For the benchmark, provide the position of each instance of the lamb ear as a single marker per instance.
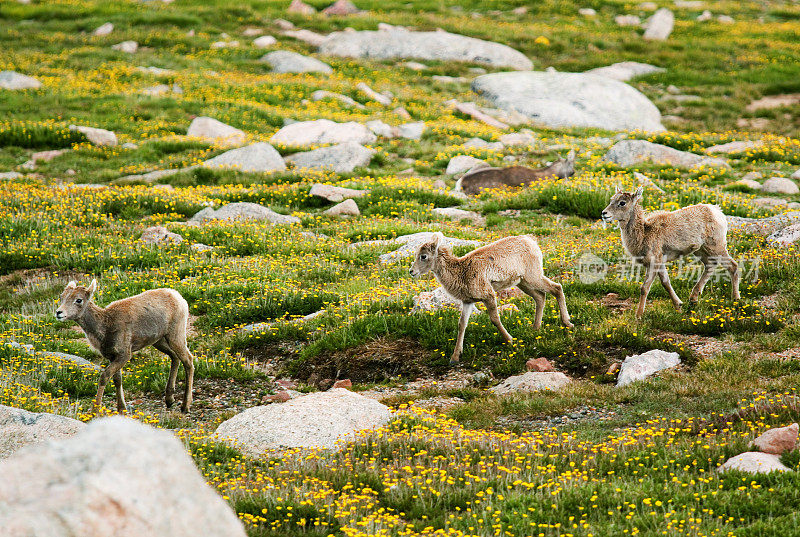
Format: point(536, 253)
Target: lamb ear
point(92, 287)
point(617, 189)
point(72, 284)
point(638, 193)
point(571, 156)
point(437, 240)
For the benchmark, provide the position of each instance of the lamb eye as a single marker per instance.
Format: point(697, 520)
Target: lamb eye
point(622, 204)
point(423, 257)
point(78, 300)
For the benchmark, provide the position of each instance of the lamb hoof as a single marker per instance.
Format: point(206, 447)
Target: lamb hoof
point(184, 410)
point(454, 361)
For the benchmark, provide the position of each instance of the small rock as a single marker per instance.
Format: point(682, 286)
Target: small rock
point(343, 383)
point(464, 163)
point(100, 137)
point(768, 202)
point(613, 368)
point(641, 366)
point(130, 145)
point(211, 129)
point(265, 41)
point(625, 71)
point(780, 185)
point(335, 193)
point(127, 46)
point(786, 236)
point(200, 247)
point(381, 129)
point(480, 143)
point(411, 243)
point(402, 112)
point(324, 94)
point(341, 158)
point(752, 176)
point(374, 95)
point(704, 16)
point(224, 44)
point(346, 208)
point(777, 441)
point(341, 7)
point(243, 211)
point(414, 66)
point(258, 157)
point(725, 19)
point(104, 29)
point(301, 8)
point(796, 175)
point(10, 175)
point(531, 382)
point(285, 61)
point(633, 152)
point(279, 397)
point(587, 12)
point(252, 32)
point(753, 462)
point(523, 137)
point(539, 365)
point(323, 131)
point(283, 24)
point(307, 36)
point(160, 235)
point(411, 131)
point(749, 183)
point(659, 26)
point(627, 20)
point(454, 213)
point(773, 101)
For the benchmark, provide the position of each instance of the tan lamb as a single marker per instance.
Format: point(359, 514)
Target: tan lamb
point(657, 238)
point(158, 317)
point(477, 276)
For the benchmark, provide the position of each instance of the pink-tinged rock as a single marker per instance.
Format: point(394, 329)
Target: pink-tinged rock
point(300, 7)
point(279, 397)
point(777, 441)
point(343, 383)
point(341, 7)
point(753, 462)
point(286, 383)
point(539, 364)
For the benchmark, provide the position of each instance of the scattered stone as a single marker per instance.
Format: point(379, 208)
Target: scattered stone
point(480, 143)
point(415, 66)
point(157, 71)
point(473, 111)
point(279, 397)
point(774, 101)
point(252, 32)
point(627, 20)
point(316, 420)
point(211, 129)
point(149, 177)
point(47, 156)
point(285, 61)
point(725, 19)
point(613, 369)
point(160, 235)
point(129, 47)
point(752, 176)
point(705, 16)
point(265, 41)
point(301, 8)
point(346, 208)
point(689, 4)
point(382, 129)
point(660, 25)
point(780, 185)
point(777, 441)
point(796, 175)
point(570, 100)
point(283, 24)
point(411, 131)
point(19, 428)
point(307, 36)
point(624, 71)
point(10, 175)
point(114, 477)
point(224, 44)
point(464, 163)
point(749, 183)
point(524, 138)
point(440, 45)
point(71, 358)
point(335, 194)
point(539, 365)
point(587, 12)
point(402, 112)
point(735, 147)
point(768, 202)
point(320, 95)
point(200, 247)
point(341, 158)
point(242, 211)
point(435, 300)
point(522, 10)
point(162, 89)
point(454, 213)
point(96, 136)
point(374, 95)
point(647, 182)
point(628, 153)
point(641, 366)
point(531, 382)
point(762, 226)
point(411, 243)
point(753, 462)
point(648, 6)
point(323, 131)
point(785, 236)
point(449, 79)
point(343, 383)
point(103, 29)
point(341, 7)
point(258, 157)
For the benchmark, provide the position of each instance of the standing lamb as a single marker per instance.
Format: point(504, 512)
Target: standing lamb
point(158, 317)
point(476, 277)
point(655, 239)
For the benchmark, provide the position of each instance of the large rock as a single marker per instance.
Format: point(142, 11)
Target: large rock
point(780, 185)
point(785, 236)
point(12, 80)
point(735, 147)
point(411, 131)
point(129, 47)
point(624, 71)
point(217, 131)
point(160, 235)
point(258, 157)
point(341, 158)
point(411, 243)
point(116, 477)
point(454, 213)
point(265, 41)
point(659, 26)
point(777, 441)
point(323, 131)
point(763, 226)
point(634, 152)
point(570, 100)
point(243, 211)
point(335, 193)
point(103, 29)
point(62, 357)
point(316, 420)
point(442, 46)
point(307, 36)
point(641, 366)
point(796, 175)
point(96, 136)
point(435, 300)
point(286, 61)
point(753, 462)
point(19, 428)
point(532, 381)
point(464, 163)
point(346, 208)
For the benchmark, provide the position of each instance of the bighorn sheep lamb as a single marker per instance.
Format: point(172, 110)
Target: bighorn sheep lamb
point(474, 181)
point(158, 317)
point(659, 237)
point(476, 277)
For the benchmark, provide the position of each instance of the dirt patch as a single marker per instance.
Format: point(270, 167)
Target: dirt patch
point(376, 361)
point(703, 346)
point(612, 301)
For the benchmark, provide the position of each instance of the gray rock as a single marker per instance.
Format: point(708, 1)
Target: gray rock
point(786, 236)
point(71, 358)
point(436, 300)
point(411, 131)
point(659, 26)
point(323, 131)
point(285, 61)
point(641, 366)
point(224, 44)
point(12, 80)
point(104, 29)
point(734, 147)
point(265, 41)
point(96, 136)
point(243, 211)
point(10, 175)
point(796, 175)
point(19, 428)
point(317, 420)
point(415, 66)
point(768, 202)
point(298, 6)
point(161, 89)
point(752, 176)
point(380, 98)
point(523, 137)
point(258, 157)
point(160, 235)
point(762, 226)
point(382, 129)
point(114, 477)
point(157, 71)
point(627, 20)
point(320, 95)
point(464, 163)
point(454, 213)
point(210, 129)
point(532, 381)
point(753, 462)
point(127, 46)
point(307, 36)
point(346, 208)
point(335, 193)
point(341, 158)
point(480, 143)
point(150, 177)
point(411, 243)
point(384, 45)
point(624, 71)
point(780, 185)
point(570, 100)
point(200, 247)
point(634, 152)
